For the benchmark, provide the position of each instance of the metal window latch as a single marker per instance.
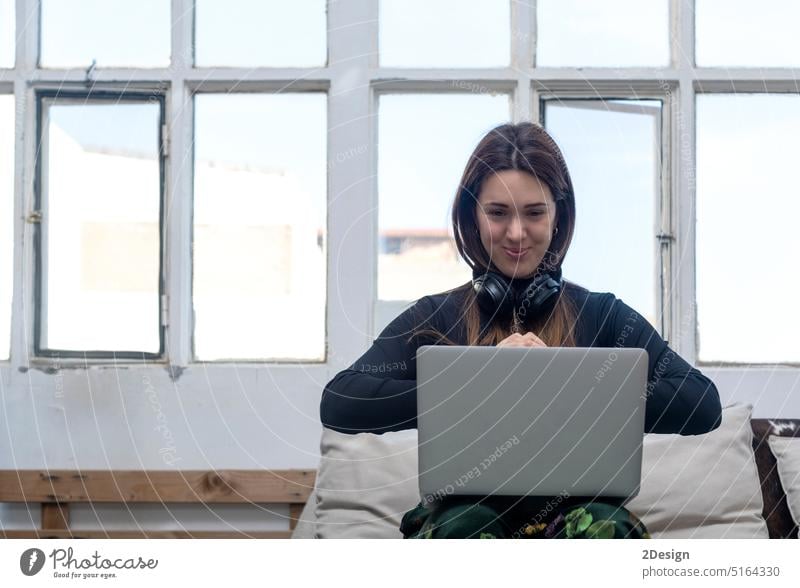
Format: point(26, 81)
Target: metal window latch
point(164, 309)
point(165, 140)
point(35, 216)
point(89, 72)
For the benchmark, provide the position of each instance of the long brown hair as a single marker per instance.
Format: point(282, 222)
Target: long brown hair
point(526, 147)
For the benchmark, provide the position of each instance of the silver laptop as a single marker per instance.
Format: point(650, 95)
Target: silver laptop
point(530, 421)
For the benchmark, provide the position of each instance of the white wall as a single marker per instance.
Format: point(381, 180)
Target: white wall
point(209, 418)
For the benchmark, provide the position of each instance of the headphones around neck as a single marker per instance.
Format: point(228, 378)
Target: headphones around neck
point(498, 296)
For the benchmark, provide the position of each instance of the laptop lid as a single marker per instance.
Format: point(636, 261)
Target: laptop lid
point(538, 421)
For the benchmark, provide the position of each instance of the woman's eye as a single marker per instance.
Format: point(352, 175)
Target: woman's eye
point(501, 213)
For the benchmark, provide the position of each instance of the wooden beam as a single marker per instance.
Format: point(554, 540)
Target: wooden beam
point(55, 515)
point(223, 486)
point(295, 510)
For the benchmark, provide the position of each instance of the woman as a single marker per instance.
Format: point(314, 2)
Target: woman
point(513, 219)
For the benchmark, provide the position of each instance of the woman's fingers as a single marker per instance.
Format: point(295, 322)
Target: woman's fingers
point(528, 339)
point(536, 340)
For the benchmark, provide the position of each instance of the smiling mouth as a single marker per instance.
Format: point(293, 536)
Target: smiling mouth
point(515, 252)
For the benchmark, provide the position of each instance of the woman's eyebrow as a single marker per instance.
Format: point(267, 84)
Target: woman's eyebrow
point(502, 205)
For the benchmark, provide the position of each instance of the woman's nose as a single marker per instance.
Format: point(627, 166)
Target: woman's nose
point(515, 229)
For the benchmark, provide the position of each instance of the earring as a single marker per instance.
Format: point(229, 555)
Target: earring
point(555, 232)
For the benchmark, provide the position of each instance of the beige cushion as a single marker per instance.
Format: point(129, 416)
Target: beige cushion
point(695, 486)
point(365, 484)
point(787, 451)
point(703, 486)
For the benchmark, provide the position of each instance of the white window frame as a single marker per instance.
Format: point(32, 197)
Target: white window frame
point(664, 237)
point(46, 99)
point(353, 79)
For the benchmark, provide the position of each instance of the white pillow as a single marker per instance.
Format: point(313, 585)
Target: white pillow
point(365, 484)
point(695, 486)
point(787, 452)
point(702, 486)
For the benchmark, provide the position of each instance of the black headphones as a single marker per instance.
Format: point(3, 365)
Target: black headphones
point(498, 296)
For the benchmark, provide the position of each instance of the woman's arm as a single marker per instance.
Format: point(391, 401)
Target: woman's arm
point(378, 392)
point(680, 399)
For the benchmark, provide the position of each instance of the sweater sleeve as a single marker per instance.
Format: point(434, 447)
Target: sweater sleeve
point(378, 392)
point(680, 399)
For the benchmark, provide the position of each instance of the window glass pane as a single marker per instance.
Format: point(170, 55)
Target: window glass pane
point(6, 219)
point(259, 226)
point(613, 154)
point(445, 33)
point(101, 187)
point(748, 245)
point(117, 33)
point(602, 34)
point(740, 33)
point(424, 144)
point(6, 33)
point(252, 33)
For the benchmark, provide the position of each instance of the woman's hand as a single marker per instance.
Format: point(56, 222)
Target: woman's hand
point(522, 340)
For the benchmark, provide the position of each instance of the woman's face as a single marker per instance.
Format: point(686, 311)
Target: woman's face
point(516, 217)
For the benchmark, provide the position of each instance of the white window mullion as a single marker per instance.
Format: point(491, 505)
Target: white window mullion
point(523, 30)
point(22, 306)
point(27, 34)
point(683, 295)
point(177, 215)
point(352, 197)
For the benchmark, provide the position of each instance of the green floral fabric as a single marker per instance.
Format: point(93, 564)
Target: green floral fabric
point(484, 519)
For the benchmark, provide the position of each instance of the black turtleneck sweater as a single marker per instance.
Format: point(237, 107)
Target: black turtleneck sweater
point(377, 393)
